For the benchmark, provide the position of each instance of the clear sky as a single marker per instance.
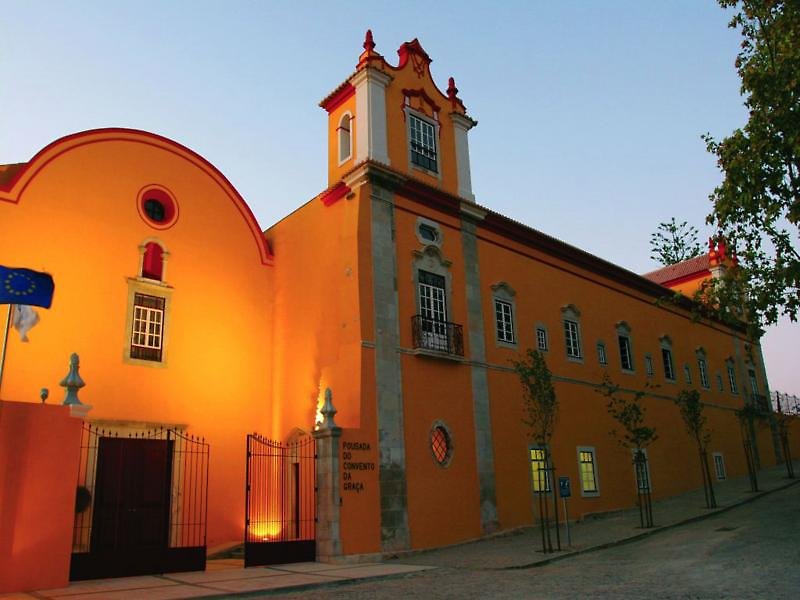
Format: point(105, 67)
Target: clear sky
point(590, 113)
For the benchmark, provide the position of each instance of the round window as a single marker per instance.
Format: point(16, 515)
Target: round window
point(157, 207)
point(155, 210)
point(441, 445)
point(428, 233)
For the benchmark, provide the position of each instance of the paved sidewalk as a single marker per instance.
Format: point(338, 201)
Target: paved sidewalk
point(222, 579)
point(522, 548)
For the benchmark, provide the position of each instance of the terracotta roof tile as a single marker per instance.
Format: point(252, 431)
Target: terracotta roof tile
point(698, 264)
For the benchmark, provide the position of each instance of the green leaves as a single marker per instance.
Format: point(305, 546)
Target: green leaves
point(757, 206)
point(674, 242)
point(688, 401)
point(629, 413)
point(540, 409)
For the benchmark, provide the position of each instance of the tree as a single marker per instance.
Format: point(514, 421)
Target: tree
point(636, 436)
point(757, 205)
point(674, 242)
point(688, 401)
point(540, 413)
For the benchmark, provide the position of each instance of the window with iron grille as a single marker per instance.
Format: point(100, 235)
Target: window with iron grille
point(719, 466)
point(504, 318)
point(588, 472)
point(572, 338)
point(540, 476)
point(625, 358)
point(541, 338)
point(732, 379)
point(601, 353)
point(441, 445)
point(148, 327)
point(433, 309)
point(648, 364)
point(423, 143)
point(702, 368)
point(666, 359)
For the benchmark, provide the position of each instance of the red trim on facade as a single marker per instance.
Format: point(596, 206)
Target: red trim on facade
point(163, 194)
point(419, 58)
point(339, 96)
point(334, 194)
point(8, 192)
point(422, 94)
point(705, 274)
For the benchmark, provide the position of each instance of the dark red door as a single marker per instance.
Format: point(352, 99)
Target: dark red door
point(132, 494)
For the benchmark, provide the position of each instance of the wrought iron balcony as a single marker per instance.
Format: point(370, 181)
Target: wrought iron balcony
point(440, 336)
point(761, 402)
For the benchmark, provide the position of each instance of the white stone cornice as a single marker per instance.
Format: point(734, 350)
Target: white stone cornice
point(473, 211)
point(462, 121)
point(372, 74)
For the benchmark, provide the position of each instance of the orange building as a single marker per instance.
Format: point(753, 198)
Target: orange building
point(394, 289)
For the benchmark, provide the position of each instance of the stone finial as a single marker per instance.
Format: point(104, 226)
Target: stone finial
point(452, 90)
point(369, 44)
point(328, 411)
point(44, 393)
point(72, 382)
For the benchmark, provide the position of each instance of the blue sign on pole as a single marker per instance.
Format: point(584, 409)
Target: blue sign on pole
point(563, 487)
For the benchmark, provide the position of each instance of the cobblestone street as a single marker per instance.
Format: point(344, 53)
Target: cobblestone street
point(751, 551)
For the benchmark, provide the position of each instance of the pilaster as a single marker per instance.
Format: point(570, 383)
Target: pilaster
point(461, 126)
point(328, 538)
point(371, 137)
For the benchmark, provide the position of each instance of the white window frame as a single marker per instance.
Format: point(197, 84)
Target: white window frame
point(624, 341)
point(588, 450)
point(504, 321)
point(541, 338)
point(702, 368)
point(411, 116)
point(751, 375)
point(505, 330)
point(732, 377)
point(147, 328)
point(720, 471)
point(667, 365)
point(339, 137)
point(648, 365)
point(602, 356)
point(570, 316)
point(531, 472)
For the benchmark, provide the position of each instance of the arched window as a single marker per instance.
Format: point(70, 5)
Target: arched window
point(345, 138)
point(153, 261)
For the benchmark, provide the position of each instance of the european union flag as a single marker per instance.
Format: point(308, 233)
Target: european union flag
point(23, 286)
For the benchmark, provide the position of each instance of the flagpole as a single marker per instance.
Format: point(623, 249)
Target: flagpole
point(5, 345)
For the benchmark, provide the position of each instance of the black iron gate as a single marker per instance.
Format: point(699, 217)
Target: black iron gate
point(141, 503)
point(280, 501)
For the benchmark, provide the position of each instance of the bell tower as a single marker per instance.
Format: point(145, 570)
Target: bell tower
point(396, 117)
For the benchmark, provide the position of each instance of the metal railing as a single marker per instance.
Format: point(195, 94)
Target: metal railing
point(441, 336)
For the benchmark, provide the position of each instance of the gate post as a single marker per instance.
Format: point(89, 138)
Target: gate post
point(329, 545)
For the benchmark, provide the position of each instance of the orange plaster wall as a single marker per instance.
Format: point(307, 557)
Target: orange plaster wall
point(39, 446)
point(397, 133)
point(77, 218)
point(316, 322)
point(543, 285)
point(336, 170)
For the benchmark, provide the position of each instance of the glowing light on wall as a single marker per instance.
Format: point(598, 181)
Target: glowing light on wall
point(266, 531)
